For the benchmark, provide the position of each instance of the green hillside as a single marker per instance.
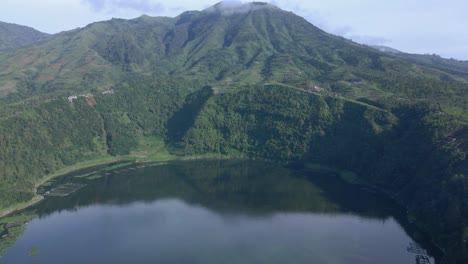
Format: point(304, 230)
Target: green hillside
point(251, 81)
point(14, 36)
point(227, 50)
point(453, 66)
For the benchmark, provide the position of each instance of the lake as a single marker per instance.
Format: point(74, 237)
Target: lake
point(210, 212)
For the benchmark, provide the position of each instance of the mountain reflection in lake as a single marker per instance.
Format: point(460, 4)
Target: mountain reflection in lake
point(212, 212)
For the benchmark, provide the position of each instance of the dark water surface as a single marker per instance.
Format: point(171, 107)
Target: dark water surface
point(210, 212)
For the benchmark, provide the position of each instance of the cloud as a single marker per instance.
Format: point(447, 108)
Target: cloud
point(230, 4)
point(369, 40)
point(110, 6)
point(342, 31)
point(348, 32)
point(231, 7)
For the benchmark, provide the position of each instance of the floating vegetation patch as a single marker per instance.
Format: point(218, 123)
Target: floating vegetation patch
point(45, 187)
point(85, 175)
point(65, 189)
point(3, 234)
point(94, 177)
point(89, 176)
point(48, 183)
point(129, 169)
point(11, 227)
point(33, 251)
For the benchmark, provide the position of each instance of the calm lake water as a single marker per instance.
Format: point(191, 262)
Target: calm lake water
point(210, 212)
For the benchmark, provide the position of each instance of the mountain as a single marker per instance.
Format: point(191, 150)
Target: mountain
point(431, 60)
point(247, 80)
point(254, 44)
point(14, 36)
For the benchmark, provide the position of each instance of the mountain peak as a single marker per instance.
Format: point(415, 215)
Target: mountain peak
point(231, 7)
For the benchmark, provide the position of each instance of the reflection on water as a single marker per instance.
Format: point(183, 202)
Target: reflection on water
point(211, 212)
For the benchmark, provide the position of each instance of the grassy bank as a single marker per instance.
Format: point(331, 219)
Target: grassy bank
point(19, 206)
point(150, 149)
point(82, 165)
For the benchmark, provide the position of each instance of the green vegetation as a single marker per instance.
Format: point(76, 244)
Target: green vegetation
point(14, 36)
point(33, 251)
point(453, 66)
point(12, 227)
point(260, 84)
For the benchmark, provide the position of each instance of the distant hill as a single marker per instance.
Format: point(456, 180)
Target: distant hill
point(431, 60)
point(14, 36)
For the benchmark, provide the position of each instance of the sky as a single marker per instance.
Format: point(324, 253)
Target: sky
point(414, 26)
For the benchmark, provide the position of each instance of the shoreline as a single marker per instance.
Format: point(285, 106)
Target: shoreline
point(18, 207)
point(4, 212)
point(347, 176)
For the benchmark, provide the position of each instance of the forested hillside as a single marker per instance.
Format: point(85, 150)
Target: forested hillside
point(253, 81)
point(14, 36)
point(433, 60)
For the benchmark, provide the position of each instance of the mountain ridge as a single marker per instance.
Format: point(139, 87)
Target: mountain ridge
point(431, 60)
point(245, 45)
point(13, 36)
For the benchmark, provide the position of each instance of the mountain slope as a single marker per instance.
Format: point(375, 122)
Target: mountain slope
point(251, 80)
point(14, 36)
point(450, 65)
point(254, 44)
